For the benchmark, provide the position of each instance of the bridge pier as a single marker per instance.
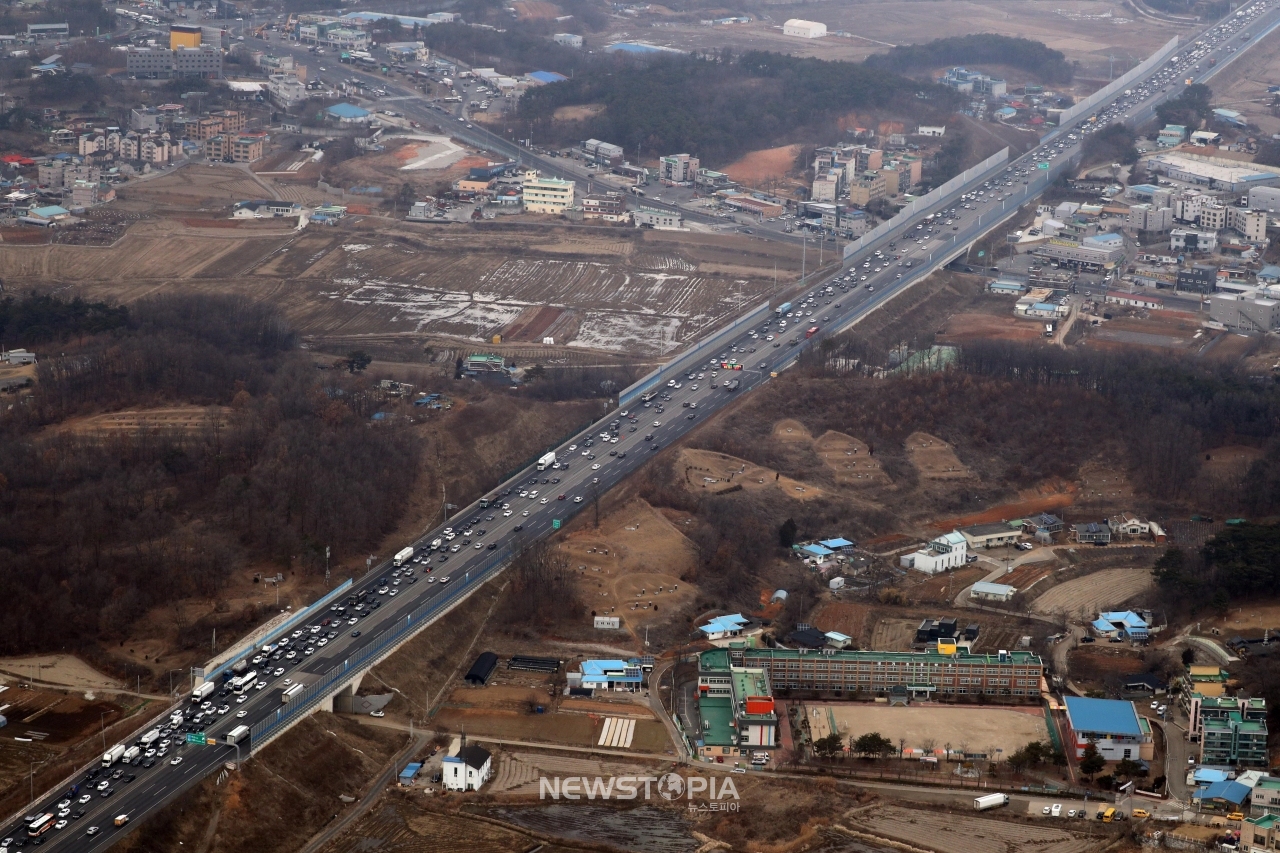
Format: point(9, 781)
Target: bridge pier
point(340, 700)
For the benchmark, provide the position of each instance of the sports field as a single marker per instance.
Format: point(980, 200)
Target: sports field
point(990, 731)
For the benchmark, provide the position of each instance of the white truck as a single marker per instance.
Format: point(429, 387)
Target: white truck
point(131, 753)
point(204, 691)
point(237, 734)
point(112, 755)
point(149, 738)
point(290, 693)
point(403, 556)
point(990, 801)
point(546, 461)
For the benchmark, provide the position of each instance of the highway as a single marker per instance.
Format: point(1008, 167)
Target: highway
point(692, 389)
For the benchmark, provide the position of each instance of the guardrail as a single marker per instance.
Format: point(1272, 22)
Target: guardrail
point(307, 699)
point(300, 616)
point(935, 199)
point(694, 353)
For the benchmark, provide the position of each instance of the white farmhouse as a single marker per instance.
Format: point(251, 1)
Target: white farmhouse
point(467, 770)
point(946, 552)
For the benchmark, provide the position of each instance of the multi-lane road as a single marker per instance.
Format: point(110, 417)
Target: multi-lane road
point(692, 390)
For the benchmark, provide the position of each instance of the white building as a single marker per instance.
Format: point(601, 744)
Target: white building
point(467, 770)
point(567, 39)
point(991, 591)
point(929, 130)
point(286, 90)
point(804, 29)
point(659, 220)
point(547, 195)
point(946, 552)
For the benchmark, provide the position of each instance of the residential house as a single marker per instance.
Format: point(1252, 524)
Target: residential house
point(616, 675)
point(468, 770)
point(610, 207)
point(1091, 533)
point(993, 535)
point(1122, 625)
point(948, 551)
point(1224, 797)
point(985, 591)
point(1265, 797)
point(724, 627)
point(1128, 525)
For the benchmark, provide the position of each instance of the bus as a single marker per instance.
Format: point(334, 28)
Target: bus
point(40, 825)
point(244, 682)
point(648, 396)
point(1109, 815)
point(811, 332)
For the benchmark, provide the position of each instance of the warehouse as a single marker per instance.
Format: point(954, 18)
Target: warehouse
point(1111, 725)
point(991, 535)
point(804, 29)
point(992, 591)
point(1213, 173)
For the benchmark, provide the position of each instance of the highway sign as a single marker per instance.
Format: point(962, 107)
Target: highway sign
point(1042, 165)
point(196, 737)
point(982, 254)
point(555, 524)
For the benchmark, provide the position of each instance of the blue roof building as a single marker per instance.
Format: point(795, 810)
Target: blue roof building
point(1270, 274)
point(1113, 726)
point(1226, 795)
point(639, 47)
point(724, 626)
point(410, 772)
point(546, 77)
point(837, 544)
point(816, 550)
point(611, 675)
point(348, 113)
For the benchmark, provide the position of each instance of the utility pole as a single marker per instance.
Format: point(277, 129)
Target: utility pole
point(326, 565)
point(103, 720)
point(213, 647)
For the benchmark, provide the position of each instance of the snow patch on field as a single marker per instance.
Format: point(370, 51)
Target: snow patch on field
point(452, 311)
point(611, 331)
point(356, 247)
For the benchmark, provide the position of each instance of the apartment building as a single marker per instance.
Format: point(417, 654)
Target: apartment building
point(1231, 730)
point(867, 188)
point(945, 671)
point(678, 169)
point(826, 186)
point(610, 207)
point(1265, 797)
point(547, 195)
point(236, 149)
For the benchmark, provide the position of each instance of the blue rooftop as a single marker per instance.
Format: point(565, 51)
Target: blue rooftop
point(1102, 716)
point(1209, 775)
point(1128, 617)
point(411, 770)
point(817, 550)
point(1270, 271)
point(347, 111)
point(1228, 789)
point(546, 76)
point(724, 624)
point(838, 542)
point(50, 210)
point(639, 47)
point(1102, 625)
point(601, 667)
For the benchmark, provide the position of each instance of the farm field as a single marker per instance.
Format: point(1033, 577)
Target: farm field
point(181, 418)
point(955, 833)
point(973, 729)
point(934, 458)
point(1106, 589)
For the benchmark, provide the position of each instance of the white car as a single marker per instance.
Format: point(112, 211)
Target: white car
point(506, 514)
point(241, 699)
point(260, 685)
point(525, 513)
point(86, 798)
point(595, 467)
point(544, 500)
point(1057, 810)
point(240, 715)
point(175, 761)
point(657, 423)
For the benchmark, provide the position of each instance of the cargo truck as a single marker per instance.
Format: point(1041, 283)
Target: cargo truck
point(990, 801)
point(404, 555)
point(782, 309)
point(545, 462)
point(121, 819)
point(732, 385)
point(290, 693)
point(240, 666)
point(149, 738)
point(112, 755)
point(131, 753)
point(204, 691)
point(239, 733)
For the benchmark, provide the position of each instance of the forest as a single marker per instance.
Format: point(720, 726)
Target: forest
point(720, 107)
point(1048, 65)
point(96, 528)
point(514, 50)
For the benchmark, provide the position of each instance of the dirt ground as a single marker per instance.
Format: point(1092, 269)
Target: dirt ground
point(894, 635)
point(1249, 620)
point(944, 832)
point(944, 588)
point(972, 729)
point(850, 461)
point(934, 458)
point(847, 617)
point(762, 167)
point(1030, 505)
point(196, 186)
point(61, 670)
point(717, 472)
point(1108, 589)
point(183, 418)
point(988, 327)
point(632, 567)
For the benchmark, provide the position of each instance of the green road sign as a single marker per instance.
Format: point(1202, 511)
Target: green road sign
point(196, 737)
point(555, 524)
point(1042, 165)
point(982, 254)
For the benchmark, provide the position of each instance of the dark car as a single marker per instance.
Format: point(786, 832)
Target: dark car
point(518, 528)
point(355, 633)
